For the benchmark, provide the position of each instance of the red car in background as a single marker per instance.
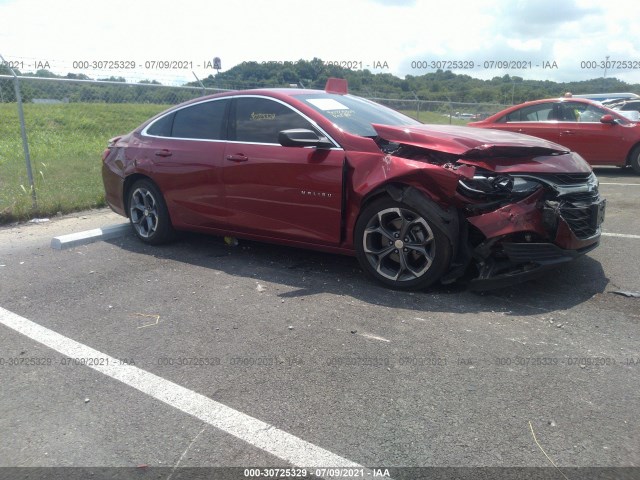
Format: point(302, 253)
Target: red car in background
point(330, 171)
point(600, 135)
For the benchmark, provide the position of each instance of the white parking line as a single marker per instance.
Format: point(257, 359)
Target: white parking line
point(266, 437)
point(621, 235)
point(624, 184)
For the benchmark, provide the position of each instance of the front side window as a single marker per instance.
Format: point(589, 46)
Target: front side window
point(203, 121)
point(260, 120)
point(581, 112)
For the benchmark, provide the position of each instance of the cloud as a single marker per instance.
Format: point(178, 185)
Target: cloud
point(393, 31)
point(396, 3)
point(544, 17)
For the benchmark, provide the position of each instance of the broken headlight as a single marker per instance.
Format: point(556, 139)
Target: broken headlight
point(496, 186)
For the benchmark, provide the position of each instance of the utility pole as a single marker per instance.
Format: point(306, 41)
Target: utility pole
point(604, 78)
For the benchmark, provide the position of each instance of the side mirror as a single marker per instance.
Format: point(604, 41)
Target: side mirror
point(608, 118)
point(301, 137)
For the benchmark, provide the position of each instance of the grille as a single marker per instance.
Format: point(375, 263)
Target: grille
point(581, 197)
point(534, 252)
point(568, 178)
point(580, 211)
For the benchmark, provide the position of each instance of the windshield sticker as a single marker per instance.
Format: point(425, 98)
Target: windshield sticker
point(262, 116)
point(340, 113)
point(327, 104)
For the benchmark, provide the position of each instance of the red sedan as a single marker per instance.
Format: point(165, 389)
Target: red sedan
point(330, 171)
point(600, 135)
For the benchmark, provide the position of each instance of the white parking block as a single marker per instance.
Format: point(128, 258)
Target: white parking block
point(89, 236)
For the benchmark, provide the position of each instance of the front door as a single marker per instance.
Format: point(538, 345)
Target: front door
point(292, 193)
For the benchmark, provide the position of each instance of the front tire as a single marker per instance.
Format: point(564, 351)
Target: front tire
point(634, 160)
point(148, 213)
point(401, 246)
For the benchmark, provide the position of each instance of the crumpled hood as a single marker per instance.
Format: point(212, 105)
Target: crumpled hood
point(468, 142)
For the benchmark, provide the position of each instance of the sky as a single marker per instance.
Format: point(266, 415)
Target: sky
point(559, 40)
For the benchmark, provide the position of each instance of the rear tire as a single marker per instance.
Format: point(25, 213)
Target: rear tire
point(148, 213)
point(634, 160)
point(401, 246)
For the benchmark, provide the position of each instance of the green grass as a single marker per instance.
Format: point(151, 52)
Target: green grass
point(66, 142)
point(434, 117)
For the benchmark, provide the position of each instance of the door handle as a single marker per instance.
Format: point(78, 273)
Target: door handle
point(521, 130)
point(163, 153)
point(237, 158)
point(567, 132)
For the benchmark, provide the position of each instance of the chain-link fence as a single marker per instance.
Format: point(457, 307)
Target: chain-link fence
point(51, 140)
point(439, 111)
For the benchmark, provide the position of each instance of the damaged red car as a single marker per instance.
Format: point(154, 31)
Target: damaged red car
point(329, 171)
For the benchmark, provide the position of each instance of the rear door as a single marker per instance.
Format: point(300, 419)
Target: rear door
point(291, 193)
point(186, 149)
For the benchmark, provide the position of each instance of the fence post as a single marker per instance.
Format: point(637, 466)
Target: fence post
point(23, 132)
point(417, 105)
point(204, 91)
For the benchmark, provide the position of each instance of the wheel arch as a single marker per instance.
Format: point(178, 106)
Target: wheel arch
point(129, 181)
point(446, 219)
point(634, 148)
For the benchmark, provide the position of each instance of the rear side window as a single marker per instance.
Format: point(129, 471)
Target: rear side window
point(203, 121)
point(259, 120)
point(532, 113)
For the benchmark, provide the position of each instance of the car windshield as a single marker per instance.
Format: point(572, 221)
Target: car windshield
point(354, 114)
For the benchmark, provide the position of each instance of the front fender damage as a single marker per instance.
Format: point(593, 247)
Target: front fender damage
point(445, 220)
point(425, 186)
point(506, 237)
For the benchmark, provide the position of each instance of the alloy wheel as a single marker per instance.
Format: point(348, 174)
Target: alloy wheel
point(399, 244)
point(144, 212)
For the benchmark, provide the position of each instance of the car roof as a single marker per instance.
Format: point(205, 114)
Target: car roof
point(546, 100)
point(560, 99)
point(513, 108)
point(271, 92)
point(278, 93)
point(608, 96)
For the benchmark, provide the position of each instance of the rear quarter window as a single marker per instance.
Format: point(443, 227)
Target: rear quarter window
point(202, 121)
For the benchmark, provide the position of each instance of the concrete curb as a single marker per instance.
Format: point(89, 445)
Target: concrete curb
point(89, 236)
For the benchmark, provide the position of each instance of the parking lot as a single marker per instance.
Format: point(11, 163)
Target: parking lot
point(266, 356)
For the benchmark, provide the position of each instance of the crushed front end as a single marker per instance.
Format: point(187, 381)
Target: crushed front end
point(524, 204)
point(520, 224)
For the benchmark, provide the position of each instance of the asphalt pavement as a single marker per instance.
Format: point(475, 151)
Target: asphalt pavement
point(268, 356)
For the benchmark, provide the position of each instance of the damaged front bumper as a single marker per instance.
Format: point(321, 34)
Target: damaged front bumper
point(524, 261)
point(526, 238)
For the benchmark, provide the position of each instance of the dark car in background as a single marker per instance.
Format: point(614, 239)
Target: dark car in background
point(626, 105)
point(330, 171)
point(600, 135)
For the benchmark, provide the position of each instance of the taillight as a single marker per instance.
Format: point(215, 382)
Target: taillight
point(110, 145)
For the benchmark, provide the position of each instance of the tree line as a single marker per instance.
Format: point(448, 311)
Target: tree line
point(440, 85)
